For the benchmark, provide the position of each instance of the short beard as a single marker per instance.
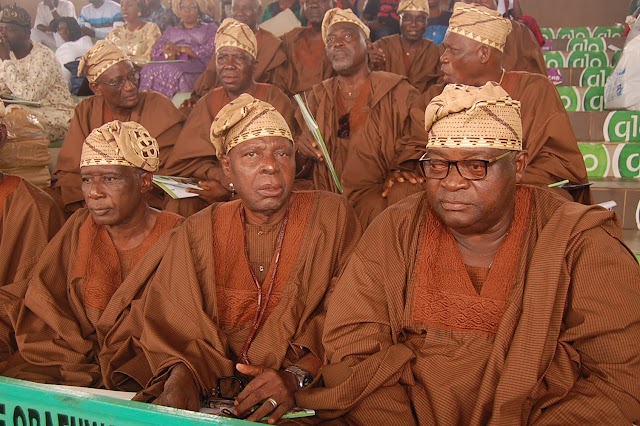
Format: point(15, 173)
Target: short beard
point(343, 64)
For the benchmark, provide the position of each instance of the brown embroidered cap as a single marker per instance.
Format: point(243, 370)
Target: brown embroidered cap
point(234, 33)
point(478, 23)
point(337, 15)
point(102, 56)
point(16, 15)
point(413, 6)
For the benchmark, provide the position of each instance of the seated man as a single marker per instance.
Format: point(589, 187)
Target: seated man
point(307, 64)
point(361, 115)
point(242, 287)
point(269, 55)
point(548, 135)
point(482, 301)
point(114, 80)
point(29, 219)
point(30, 71)
point(78, 291)
point(193, 154)
point(408, 53)
point(99, 17)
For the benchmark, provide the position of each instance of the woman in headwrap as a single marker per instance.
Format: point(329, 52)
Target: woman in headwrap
point(190, 44)
point(136, 38)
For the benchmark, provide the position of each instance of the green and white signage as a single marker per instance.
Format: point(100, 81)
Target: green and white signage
point(581, 59)
point(570, 97)
point(554, 59)
point(622, 126)
point(592, 44)
point(573, 32)
point(593, 99)
point(595, 76)
point(607, 31)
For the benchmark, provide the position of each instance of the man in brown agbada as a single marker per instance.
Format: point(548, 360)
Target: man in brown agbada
point(473, 55)
point(114, 80)
point(79, 292)
point(483, 301)
point(408, 53)
point(361, 114)
point(243, 286)
point(193, 155)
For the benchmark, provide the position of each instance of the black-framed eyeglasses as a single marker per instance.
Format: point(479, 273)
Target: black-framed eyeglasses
point(468, 169)
point(343, 126)
point(133, 77)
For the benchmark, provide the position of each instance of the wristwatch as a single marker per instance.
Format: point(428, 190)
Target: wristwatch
point(303, 377)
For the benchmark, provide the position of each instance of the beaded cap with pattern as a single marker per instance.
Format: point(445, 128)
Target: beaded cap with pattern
point(234, 33)
point(474, 117)
point(121, 144)
point(413, 6)
point(15, 15)
point(243, 119)
point(478, 23)
point(102, 56)
point(337, 15)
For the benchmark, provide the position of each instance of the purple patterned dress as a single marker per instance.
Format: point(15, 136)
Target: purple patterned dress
point(171, 78)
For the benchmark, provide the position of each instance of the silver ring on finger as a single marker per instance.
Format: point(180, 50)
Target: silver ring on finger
point(273, 402)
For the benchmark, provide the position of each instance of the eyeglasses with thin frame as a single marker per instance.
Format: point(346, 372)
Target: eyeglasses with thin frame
point(118, 83)
point(468, 169)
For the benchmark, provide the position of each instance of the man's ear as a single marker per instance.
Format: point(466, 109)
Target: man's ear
point(484, 53)
point(146, 182)
point(226, 165)
point(95, 88)
point(521, 160)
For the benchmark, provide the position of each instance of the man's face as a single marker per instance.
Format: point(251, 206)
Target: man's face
point(413, 25)
point(234, 66)
point(118, 85)
point(460, 61)
point(15, 35)
point(246, 11)
point(114, 194)
point(262, 171)
point(314, 10)
point(475, 206)
point(489, 4)
point(346, 46)
point(63, 30)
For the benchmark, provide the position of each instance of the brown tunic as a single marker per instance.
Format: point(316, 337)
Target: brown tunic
point(563, 351)
point(306, 65)
point(522, 51)
point(201, 300)
point(154, 111)
point(548, 136)
point(75, 297)
point(363, 161)
point(30, 218)
point(425, 65)
point(270, 56)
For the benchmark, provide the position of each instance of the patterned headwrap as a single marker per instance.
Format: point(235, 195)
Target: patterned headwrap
point(121, 144)
point(413, 6)
point(205, 6)
point(232, 33)
point(474, 117)
point(100, 58)
point(478, 23)
point(16, 15)
point(243, 119)
point(337, 15)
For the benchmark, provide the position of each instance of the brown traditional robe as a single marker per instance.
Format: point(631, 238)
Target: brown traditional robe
point(363, 161)
point(547, 133)
point(522, 51)
point(201, 300)
point(155, 112)
point(76, 295)
point(424, 69)
point(408, 341)
point(270, 56)
point(30, 218)
point(306, 65)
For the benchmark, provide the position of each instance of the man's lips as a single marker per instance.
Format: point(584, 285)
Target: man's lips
point(453, 205)
point(270, 189)
point(99, 211)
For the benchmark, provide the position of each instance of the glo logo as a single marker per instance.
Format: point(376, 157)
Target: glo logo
point(626, 161)
point(607, 32)
point(593, 99)
point(622, 126)
point(554, 59)
point(570, 97)
point(587, 59)
point(595, 76)
point(575, 32)
point(596, 159)
point(587, 45)
point(547, 33)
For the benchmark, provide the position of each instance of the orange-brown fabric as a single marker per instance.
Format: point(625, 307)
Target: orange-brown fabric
point(270, 57)
point(564, 352)
point(59, 336)
point(547, 133)
point(30, 218)
point(153, 111)
point(182, 314)
point(522, 51)
point(364, 161)
point(425, 65)
point(307, 63)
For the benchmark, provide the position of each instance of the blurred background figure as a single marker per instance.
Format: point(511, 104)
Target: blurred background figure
point(136, 37)
point(48, 11)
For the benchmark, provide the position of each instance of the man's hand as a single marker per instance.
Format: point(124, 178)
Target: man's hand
point(4, 48)
point(180, 390)
point(377, 59)
point(268, 384)
point(308, 147)
point(401, 176)
point(44, 28)
point(187, 105)
point(212, 191)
